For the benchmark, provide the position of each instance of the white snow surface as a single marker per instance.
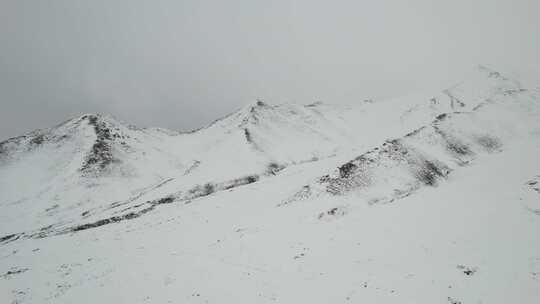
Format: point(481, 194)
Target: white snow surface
point(433, 198)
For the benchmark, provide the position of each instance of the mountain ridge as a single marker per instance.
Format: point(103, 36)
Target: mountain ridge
point(259, 141)
point(436, 193)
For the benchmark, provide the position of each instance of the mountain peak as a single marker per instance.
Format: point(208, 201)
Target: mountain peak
point(95, 118)
point(254, 106)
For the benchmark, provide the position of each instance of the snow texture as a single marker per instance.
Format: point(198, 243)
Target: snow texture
point(433, 198)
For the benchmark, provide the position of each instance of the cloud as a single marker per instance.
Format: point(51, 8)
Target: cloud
point(181, 64)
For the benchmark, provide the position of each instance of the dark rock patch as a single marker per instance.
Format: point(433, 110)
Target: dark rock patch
point(274, 168)
point(148, 206)
point(196, 192)
point(100, 155)
point(454, 145)
point(468, 271)
point(333, 213)
point(410, 161)
point(534, 184)
point(10, 238)
point(247, 135)
point(441, 117)
point(413, 133)
point(453, 100)
point(110, 220)
point(490, 143)
point(14, 271)
point(347, 169)
point(38, 140)
point(453, 301)
point(429, 172)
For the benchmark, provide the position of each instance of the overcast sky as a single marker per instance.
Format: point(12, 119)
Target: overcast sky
point(180, 64)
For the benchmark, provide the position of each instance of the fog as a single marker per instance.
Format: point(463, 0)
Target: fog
point(181, 64)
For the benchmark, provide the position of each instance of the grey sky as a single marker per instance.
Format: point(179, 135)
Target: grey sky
point(180, 64)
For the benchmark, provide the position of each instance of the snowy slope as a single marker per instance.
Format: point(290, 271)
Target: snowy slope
point(424, 199)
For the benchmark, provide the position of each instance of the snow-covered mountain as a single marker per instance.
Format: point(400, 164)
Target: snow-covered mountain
point(423, 199)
